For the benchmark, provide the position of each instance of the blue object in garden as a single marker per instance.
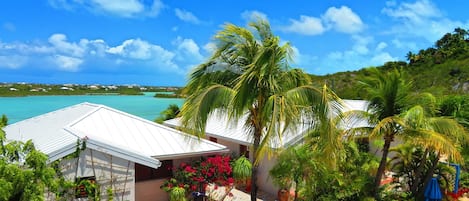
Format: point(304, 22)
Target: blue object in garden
point(432, 191)
point(198, 194)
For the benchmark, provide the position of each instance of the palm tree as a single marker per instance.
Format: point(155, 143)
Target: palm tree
point(426, 139)
point(437, 136)
point(294, 166)
point(390, 103)
point(410, 57)
point(249, 76)
point(387, 93)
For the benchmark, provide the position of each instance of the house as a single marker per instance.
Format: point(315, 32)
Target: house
point(66, 88)
point(232, 134)
point(122, 152)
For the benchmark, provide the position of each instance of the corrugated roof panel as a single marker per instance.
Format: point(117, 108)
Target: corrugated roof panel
point(133, 133)
point(109, 130)
point(46, 131)
point(220, 127)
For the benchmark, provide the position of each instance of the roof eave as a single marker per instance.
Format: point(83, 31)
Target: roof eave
point(124, 154)
point(191, 154)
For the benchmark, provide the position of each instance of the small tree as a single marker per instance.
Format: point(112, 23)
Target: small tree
point(171, 112)
point(24, 174)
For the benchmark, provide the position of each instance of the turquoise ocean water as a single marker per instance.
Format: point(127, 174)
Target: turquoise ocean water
point(146, 106)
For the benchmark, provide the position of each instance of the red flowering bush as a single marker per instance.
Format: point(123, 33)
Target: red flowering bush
point(458, 194)
point(195, 176)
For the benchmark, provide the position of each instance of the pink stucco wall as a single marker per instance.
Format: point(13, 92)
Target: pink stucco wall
point(150, 191)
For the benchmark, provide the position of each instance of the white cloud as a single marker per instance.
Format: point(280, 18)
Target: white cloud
point(120, 8)
point(335, 55)
point(188, 49)
point(420, 19)
point(60, 43)
point(67, 63)
point(416, 12)
point(72, 56)
point(381, 58)
point(186, 16)
point(306, 25)
point(358, 56)
point(156, 8)
point(95, 47)
point(143, 51)
point(407, 45)
point(351, 60)
point(13, 61)
point(24, 49)
point(210, 47)
point(343, 19)
point(302, 59)
point(124, 8)
point(381, 46)
point(140, 49)
point(361, 44)
point(253, 15)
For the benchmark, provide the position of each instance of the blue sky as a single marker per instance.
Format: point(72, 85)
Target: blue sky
point(158, 42)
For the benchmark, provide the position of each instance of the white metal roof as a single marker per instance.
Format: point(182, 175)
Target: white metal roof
point(219, 126)
point(110, 131)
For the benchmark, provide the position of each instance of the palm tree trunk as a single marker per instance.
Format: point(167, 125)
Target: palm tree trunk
point(418, 172)
point(382, 165)
point(296, 188)
point(428, 176)
point(255, 166)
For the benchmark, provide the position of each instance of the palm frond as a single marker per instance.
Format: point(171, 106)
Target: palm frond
point(200, 105)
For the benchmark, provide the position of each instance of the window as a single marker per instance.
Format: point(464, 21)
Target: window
point(213, 139)
point(243, 151)
point(86, 187)
point(143, 173)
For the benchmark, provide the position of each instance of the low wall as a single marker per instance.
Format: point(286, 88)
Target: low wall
point(150, 191)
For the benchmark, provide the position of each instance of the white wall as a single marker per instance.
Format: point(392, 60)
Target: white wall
point(232, 146)
point(264, 181)
point(109, 171)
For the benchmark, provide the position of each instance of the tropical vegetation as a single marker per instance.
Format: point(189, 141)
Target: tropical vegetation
point(442, 69)
point(170, 112)
point(24, 174)
point(248, 78)
point(194, 177)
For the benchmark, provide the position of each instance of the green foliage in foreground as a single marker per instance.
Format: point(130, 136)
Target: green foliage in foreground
point(315, 181)
point(24, 174)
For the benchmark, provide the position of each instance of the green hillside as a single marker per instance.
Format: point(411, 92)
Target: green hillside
point(441, 70)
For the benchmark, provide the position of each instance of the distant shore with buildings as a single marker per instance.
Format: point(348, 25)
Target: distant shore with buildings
point(29, 89)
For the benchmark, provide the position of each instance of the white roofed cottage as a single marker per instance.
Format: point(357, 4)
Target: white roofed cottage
point(123, 152)
point(233, 135)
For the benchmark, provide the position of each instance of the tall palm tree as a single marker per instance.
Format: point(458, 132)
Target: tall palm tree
point(387, 94)
point(397, 114)
point(437, 136)
point(249, 76)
